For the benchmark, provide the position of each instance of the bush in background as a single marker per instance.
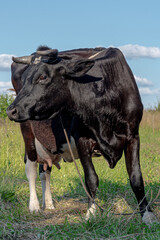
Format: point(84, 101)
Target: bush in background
point(5, 101)
point(157, 108)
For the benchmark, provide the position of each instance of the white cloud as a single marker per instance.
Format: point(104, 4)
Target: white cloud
point(148, 91)
point(5, 86)
point(136, 51)
point(143, 81)
point(5, 62)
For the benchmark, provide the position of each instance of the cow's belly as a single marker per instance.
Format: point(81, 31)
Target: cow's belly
point(66, 155)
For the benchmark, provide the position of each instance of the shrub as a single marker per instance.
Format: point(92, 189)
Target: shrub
point(157, 108)
point(5, 101)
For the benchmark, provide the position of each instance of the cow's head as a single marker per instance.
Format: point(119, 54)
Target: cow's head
point(19, 65)
point(45, 91)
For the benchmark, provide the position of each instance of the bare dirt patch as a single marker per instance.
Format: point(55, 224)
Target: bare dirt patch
point(72, 209)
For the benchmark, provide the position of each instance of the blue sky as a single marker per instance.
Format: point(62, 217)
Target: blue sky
point(132, 26)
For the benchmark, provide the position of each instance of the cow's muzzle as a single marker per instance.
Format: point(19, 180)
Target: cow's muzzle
point(12, 113)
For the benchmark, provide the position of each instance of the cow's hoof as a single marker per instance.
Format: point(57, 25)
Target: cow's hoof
point(149, 218)
point(48, 207)
point(34, 209)
point(91, 212)
point(34, 206)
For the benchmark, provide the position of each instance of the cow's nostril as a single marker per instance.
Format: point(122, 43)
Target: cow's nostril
point(12, 113)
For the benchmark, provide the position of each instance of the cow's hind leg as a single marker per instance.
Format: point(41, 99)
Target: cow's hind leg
point(136, 180)
point(91, 178)
point(31, 173)
point(46, 191)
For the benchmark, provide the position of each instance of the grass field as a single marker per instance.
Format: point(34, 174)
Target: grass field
point(67, 220)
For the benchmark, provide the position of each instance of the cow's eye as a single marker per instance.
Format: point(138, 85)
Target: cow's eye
point(42, 78)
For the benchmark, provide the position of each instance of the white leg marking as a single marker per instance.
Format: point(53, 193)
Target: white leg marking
point(46, 191)
point(91, 212)
point(149, 218)
point(31, 173)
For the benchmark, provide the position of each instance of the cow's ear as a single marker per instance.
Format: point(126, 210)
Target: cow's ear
point(80, 68)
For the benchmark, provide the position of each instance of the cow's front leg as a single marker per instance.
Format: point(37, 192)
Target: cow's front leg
point(136, 180)
point(31, 173)
point(91, 178)
point(46, 191)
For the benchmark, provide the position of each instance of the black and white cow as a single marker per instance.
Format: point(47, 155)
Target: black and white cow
point(45, 141)
point(102, 92)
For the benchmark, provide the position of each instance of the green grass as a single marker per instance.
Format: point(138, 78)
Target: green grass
point(67, 220)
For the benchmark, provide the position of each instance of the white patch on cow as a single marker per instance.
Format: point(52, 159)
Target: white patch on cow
point(149, 218)
point(31, 173)
point(46, 155)
point(91, 212)
point(46, 191)
point(95, 54)
point(42, 152)
point(66, 153)
point(37, 60)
